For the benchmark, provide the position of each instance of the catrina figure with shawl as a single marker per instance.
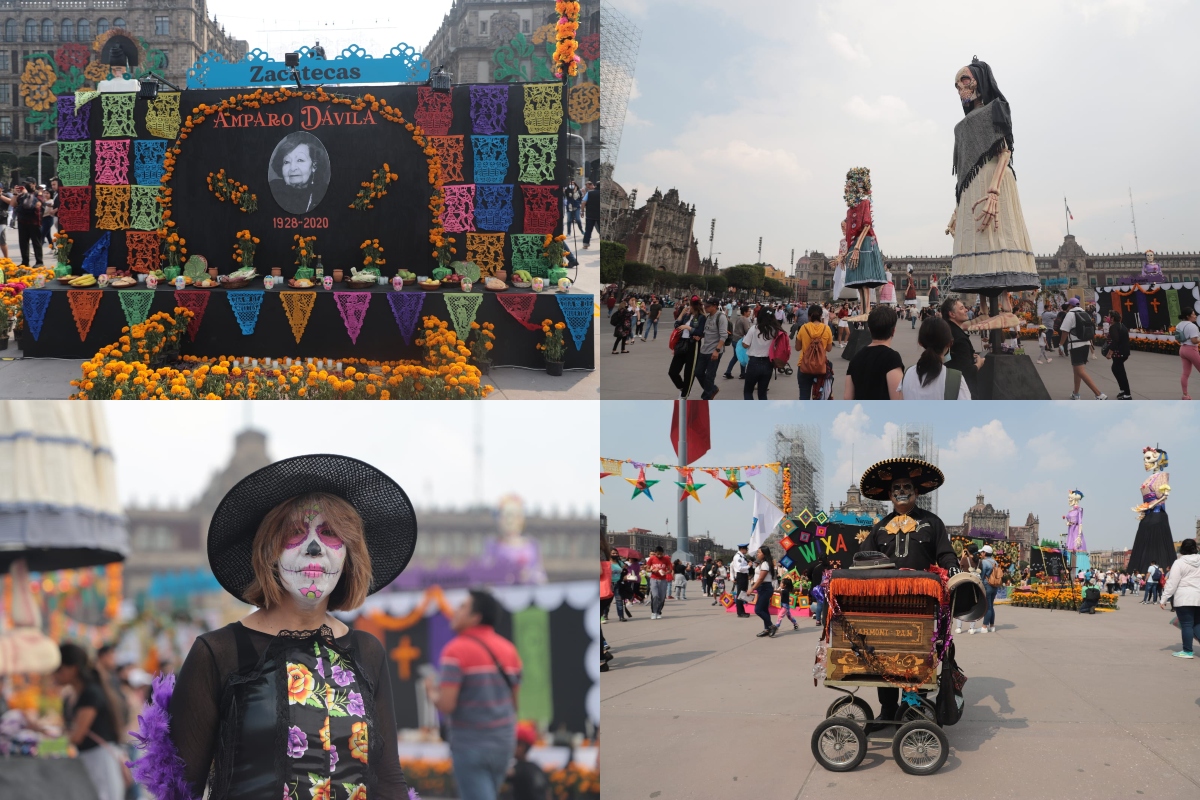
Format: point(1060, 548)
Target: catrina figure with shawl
point(289, 702)
point(992, 255)
point(864, 262)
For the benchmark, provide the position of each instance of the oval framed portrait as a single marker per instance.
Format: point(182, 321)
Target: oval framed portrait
point(299, 172)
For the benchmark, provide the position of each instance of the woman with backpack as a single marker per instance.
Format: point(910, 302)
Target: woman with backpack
point(931, 378)
point(1188, 334)
point(813, 340)
point(993, 577)
point(685, 344)
point(762, 344)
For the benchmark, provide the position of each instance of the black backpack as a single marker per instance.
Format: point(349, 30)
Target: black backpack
point(1085, 326)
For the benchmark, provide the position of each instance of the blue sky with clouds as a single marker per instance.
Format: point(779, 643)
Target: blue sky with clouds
point(756, 113)
point(1025, 457)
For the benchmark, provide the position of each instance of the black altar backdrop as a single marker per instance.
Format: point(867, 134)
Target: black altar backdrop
point(357, 143)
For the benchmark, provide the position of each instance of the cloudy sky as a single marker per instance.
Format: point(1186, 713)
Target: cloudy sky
point(755, 114)
point(427, 447)
point(1025, 457)
point(278, 26)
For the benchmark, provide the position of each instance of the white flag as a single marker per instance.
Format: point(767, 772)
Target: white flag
point(766, 517)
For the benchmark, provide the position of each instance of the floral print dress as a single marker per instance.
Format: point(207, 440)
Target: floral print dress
point(327, 729)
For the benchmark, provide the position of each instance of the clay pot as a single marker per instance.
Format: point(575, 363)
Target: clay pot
point(337, 276)
point(502, 274)
point(277, 271)
point(212, 273)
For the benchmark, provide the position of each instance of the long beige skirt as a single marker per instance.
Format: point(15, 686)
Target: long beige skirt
point(990, 261)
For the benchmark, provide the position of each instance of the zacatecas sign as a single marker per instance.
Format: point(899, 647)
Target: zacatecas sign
point(402, 64)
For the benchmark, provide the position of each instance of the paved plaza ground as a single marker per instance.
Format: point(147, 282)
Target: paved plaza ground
point(1057, 705)
point(50, 379)
point(641, 374)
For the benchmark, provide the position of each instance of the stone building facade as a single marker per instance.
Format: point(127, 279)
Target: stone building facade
point(859, 506)
point(1070, 269)
point(500, 41)
point(659, 233)
point(181, 29)
point(983, 521)
point(644, 541)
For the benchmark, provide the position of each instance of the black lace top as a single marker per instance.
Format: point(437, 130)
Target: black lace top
point(217, 700)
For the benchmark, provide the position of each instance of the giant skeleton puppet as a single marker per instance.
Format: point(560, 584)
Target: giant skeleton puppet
point(863, 261)
point(260, 710)
point(992, 255)
point(1153, 541)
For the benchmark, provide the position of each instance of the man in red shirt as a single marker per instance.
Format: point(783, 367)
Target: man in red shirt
point(662, 572)
point(477, 695)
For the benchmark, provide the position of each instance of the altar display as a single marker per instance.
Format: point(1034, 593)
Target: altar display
point(1151, 304)
point(1153, 542)
point(459, 188)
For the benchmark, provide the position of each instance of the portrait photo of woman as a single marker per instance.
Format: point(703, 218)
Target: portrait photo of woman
point(299, 172)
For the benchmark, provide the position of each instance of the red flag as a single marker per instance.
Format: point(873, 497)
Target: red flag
point(697, 429)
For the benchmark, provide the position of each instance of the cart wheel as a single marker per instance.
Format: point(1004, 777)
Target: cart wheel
point(839, 744)
point(853, 707)
point(920, 747)
point(917, 712)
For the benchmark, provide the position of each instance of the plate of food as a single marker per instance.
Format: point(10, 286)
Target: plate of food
point(207, 283)
point(494, 284)
point(430, 286)
point(123, 283)
point(300, 283)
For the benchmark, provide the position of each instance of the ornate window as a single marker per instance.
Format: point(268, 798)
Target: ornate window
point(101, 25)
point(66, 31)
point(84, 30)
point(162, 26)
point(47, 30)
point(118, 23)
point(10, 30)
point(31, 30)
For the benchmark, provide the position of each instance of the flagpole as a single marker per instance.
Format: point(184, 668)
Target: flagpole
point(1066, 215)
point(681, 540)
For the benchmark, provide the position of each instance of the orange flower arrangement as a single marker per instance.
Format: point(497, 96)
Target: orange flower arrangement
point(173, 247)
point(226, 188)
point(243, 248)
point(565, 56)
point(260, 97)
point(374, 189)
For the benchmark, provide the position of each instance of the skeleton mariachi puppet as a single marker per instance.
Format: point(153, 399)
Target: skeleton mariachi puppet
point(864, 262)
point(992, 255)
point(288, 701)
point(1153, 543)
point(910, 537)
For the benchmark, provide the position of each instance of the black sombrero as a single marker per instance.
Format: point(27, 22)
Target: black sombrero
point(389, 522)
point(876, 482)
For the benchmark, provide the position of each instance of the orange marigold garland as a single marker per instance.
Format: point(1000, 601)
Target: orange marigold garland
point(375, 188)
point(226, 189)
point(565, 51)
point(260, 97)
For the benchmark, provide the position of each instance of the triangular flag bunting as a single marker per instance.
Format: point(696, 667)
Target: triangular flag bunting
point(84, 303)
point(298, 307)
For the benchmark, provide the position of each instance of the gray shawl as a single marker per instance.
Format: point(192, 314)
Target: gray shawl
point(979, 137)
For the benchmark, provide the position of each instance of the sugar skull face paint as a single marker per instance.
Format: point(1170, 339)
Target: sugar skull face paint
point(312, 560)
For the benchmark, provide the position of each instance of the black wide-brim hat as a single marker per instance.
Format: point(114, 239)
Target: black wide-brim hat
point(876, 482)
point(389, 521)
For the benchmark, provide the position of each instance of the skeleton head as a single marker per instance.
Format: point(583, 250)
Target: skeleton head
point(312, 560)
point(903, 494)
point(1150, 458)
point(1149, 256)
point(967, 86)
point(1073, 497)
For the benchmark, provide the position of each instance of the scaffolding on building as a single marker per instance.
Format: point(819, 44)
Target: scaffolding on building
point(620, 40)
point(916, 441)
point(799, 447)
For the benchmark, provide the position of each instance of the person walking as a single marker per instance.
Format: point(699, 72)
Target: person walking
point(622, 324)
point(741, 325)
point(28, 211)
point(1188, 334)
point(574, 200)
point(480, 678)
point(90, 720)
point(813, 340)
point(606, 578)
point(690, 324)
point(876, 371)
point(591, 207)
point(962, 353)
point(787, 589)
point(680, 578)
point(712, 344)
point(1183, 592)
point(1116, 350)
point(1123, 582)
point(720, 574)
point(1076, 333)
point(652, 317)
point(763, 574)
point(661, 575)
point(1149, 582)
point(816, 594)
point(758, 342)
point(740, 567)
point(930, 378)
point(707, 575)
point(993, 578)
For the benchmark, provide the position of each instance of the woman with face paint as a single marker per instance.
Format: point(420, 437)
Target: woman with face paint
point(911, 537)
point(288, 700)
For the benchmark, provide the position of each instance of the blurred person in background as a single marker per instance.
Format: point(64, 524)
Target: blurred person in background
point(528, 780)
point(478, 690)
point(92, 724)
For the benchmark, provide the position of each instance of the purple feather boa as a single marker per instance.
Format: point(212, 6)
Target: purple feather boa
point(161, 769)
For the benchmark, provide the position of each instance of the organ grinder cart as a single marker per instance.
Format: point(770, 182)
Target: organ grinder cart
point(890, 627)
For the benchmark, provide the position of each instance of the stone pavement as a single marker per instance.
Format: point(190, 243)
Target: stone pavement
point(641, 374)
point(1057, 705)
point(49, 379)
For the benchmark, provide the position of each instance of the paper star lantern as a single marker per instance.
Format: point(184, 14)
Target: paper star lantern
point(689, 489)
point(641, 485)
point(733, 487)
